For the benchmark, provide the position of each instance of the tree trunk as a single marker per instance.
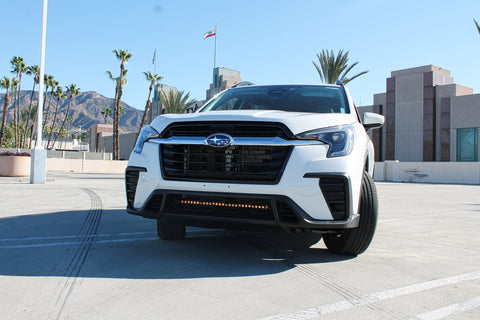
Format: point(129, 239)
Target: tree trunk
point(114, 120)
point(28, 119)
point(15, 114)
point(65, 119)
point(17, 127)
point(116, 155)
point(53, 123)
point(43, 108)
point(147, 107)
point(4, 119)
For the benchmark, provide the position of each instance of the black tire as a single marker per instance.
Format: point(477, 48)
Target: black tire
point(356, 241)
point(170, 231)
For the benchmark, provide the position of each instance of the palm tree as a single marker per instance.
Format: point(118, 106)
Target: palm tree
point(22, 125)
point(73, 91)
point(121, 111)
point(48, 79)
point(176, 101)
point(82, 136)
point(18, 67)
point(106, 113)
point(123, 56)
point(331, 68)
point(33, 119)
point(35, 71)
point(153, 79)
point(59, 95)
point(63, 135)
point(476, 24)
point(5, 83)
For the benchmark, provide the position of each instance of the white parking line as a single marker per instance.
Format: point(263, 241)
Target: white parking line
point(78, 240)
point(374, 297)
point(73, 243)
point(72, 237)
point(449, 310)
point(424, 215)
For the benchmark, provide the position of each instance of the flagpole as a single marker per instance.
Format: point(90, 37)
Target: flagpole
point(215, 63)
point(38, 161)
point(215, 52)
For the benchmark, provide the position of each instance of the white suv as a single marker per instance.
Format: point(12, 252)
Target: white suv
point(291, 157)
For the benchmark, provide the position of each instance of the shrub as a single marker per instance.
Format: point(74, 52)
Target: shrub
point(17, 154)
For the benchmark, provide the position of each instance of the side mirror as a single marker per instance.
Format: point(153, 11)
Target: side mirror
point(372, 120)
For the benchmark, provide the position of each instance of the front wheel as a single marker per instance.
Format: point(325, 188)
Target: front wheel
point(170, 231)
point(356, 241)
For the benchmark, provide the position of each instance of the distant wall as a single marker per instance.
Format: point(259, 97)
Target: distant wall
point(66, 154)
point(86, 166)
point(428, 172)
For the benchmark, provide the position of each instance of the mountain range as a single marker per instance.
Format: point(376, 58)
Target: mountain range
point(84, 110)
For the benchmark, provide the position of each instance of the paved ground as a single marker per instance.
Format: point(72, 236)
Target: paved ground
point(69, 251)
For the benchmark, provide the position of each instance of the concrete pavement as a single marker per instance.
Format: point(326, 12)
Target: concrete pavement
point(68, 250)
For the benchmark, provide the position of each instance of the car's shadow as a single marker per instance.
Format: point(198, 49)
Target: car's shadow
point(112, 244)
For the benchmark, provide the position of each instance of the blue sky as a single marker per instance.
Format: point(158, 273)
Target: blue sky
point(267, 41)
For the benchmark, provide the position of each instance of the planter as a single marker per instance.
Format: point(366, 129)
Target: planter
point(14, 166)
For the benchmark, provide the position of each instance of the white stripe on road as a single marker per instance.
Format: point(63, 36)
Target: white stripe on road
point(72, 243)
point(374, 297)
point(450, 310)
point(78, 239)
point(72, 237)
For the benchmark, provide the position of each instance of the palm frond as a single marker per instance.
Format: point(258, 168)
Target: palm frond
point(331, 66)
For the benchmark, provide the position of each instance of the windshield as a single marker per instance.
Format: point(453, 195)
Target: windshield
point(294, 98)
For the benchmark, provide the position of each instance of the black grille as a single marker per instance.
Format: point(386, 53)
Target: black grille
point(286, 213)
point(234, 129)
point(131, 181)
point(219, 206)
point(335, 191)
point(154, 204)
point(242, 164)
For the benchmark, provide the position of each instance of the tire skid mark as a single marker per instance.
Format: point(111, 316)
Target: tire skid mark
point(87, 235)
point(339, 287)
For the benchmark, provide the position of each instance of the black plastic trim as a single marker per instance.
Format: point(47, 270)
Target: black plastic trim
point(232, 181)
point(348, 192)
point(127, 189)
point(288, 135)
point(304, 220)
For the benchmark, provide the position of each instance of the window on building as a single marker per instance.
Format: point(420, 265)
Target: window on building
point(467, 144)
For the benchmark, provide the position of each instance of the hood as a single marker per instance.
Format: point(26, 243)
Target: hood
point(297, 122)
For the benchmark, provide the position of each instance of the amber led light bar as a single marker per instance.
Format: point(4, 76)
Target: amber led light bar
point(223, 204)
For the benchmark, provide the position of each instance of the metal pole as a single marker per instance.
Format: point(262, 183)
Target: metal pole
point(39, 155)
point(215, 52)
point(214, 87)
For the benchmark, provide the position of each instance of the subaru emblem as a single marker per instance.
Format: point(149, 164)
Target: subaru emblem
point(219, 140)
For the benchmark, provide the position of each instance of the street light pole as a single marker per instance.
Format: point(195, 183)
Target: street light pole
point(38, 165)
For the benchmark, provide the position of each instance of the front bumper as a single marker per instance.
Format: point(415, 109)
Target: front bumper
point(223, 210)
point(313, 191)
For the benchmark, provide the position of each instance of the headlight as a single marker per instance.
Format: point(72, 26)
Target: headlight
point(147, 133)
point(340, 139)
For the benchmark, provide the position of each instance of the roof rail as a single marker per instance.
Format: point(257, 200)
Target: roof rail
point(243, 84)
point(339, 83)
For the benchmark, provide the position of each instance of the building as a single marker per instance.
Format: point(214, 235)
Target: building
point(156, 107)
point(101, 140)
point(223, 78)
point(427, 117)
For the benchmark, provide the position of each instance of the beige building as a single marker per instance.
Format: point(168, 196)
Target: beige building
point(427, 117)
point(157, 106)
point(223, 78)
point(101, 140)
